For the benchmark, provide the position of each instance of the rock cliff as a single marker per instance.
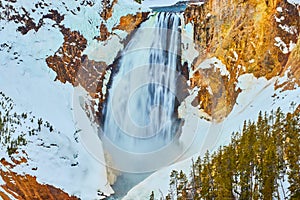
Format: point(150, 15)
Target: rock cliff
point(258, 37)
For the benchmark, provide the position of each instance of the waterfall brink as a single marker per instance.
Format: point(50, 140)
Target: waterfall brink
point(140, 112)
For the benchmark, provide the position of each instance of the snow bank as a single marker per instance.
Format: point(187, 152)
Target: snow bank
point(294, 1)
point(214, 63)
point(256, 96)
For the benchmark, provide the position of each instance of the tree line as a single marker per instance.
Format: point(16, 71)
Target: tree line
point(261, 162)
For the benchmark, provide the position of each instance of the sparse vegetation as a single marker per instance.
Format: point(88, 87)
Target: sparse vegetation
point(15, 127)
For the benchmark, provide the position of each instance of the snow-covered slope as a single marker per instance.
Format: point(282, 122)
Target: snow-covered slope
point(30, 84)
point(257, 95)
point(60, 159)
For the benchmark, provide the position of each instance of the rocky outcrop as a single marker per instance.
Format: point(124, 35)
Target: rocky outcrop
point(25, 186)
point(72, 66)
point(10, 13)
point(67, 59)
point(130, 22)
point(248, 37)
point(107, 9)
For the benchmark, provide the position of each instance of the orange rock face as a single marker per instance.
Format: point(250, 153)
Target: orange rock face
point(26, 187)
point(130, 22)
point(244, 35)
point(73, 67)
point(67, 60)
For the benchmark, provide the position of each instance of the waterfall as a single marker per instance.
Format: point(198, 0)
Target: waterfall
point(140, 110)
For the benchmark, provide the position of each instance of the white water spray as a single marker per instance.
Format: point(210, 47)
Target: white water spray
point(140, 115)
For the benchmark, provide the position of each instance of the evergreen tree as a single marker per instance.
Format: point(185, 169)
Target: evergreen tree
point(174, 183)
point(252, 166)
point(152, 196)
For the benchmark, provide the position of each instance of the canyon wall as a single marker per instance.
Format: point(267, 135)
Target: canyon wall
point(248, 36)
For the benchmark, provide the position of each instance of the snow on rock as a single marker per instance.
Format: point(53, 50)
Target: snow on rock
point(123, 8)
point(279, 19)
point(279, 9)
point(257, 95)
point(189, 53)
point(216, 64)
point(288, 29)
point(1, 181)
point(90, 141)
point(282, 46)
point(292, 46)
point(26, 78)
point(294, 1)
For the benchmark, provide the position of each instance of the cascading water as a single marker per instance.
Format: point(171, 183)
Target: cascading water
point(139, 114)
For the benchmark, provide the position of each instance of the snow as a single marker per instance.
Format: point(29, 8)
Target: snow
point(288, 29)
point(292, 46)
point(1, 181)
point(85, 21)
point(216, 64)
point(236, 56)
point(283, 187)
point(30, 83)
point(158, 3)
point(279, 9)
point(285, 77)
point(294, 1)
point(282, 46)
point(71, 164)
point(189, 53)
point(104, 51)
point(105, 81)
point(251, 61)
point(256, 96)
point(91, 142)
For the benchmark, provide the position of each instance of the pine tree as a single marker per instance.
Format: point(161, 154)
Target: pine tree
point(152, 196)
point(182, 186)
point(292, 152)
point(252, 166)
point(174, 184)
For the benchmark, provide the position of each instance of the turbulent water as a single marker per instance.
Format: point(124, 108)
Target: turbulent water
point(139, 114)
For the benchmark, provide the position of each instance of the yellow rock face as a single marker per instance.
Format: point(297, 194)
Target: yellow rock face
point(251, 36)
